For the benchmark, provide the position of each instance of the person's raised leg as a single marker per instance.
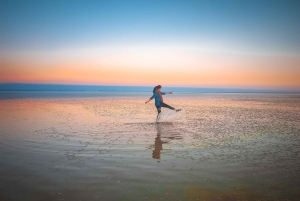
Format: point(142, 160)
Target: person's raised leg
point(168, 106)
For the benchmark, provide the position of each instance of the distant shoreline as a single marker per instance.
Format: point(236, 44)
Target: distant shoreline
point(112, 88)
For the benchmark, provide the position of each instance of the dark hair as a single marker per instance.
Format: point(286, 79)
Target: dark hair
point(157, 87)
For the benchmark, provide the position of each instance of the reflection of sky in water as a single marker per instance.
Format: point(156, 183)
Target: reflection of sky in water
point(239, 146)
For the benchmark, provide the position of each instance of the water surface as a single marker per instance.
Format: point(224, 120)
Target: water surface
point(108, 147)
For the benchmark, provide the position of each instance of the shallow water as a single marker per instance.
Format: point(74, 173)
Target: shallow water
point(225, 147)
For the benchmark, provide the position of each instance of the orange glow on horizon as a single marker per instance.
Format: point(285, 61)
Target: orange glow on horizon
point(268, 75)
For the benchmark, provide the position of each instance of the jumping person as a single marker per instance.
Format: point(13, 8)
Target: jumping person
point(157, 94)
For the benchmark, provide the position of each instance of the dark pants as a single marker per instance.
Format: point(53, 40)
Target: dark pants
point(163, 105)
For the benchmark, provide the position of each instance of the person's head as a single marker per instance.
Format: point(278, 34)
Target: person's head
point(158, 87)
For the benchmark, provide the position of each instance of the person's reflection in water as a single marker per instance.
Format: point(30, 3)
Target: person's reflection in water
point(157, 146)
point(161, 133)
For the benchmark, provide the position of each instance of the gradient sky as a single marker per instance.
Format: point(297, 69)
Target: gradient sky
point(176, 43)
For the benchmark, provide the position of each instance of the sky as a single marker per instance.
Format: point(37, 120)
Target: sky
point(213, 43)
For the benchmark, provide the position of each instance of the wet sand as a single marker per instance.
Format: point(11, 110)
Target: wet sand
point(225, 147)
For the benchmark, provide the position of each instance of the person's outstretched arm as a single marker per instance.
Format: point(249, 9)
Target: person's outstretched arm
point(164, 93)
point(149, 99)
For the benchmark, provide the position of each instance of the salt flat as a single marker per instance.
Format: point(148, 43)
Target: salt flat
point(100, 147)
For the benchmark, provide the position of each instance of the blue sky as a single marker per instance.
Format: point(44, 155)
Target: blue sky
point(252, 26)
point(211, 43)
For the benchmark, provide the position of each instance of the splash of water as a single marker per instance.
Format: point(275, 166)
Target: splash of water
point(171, 116)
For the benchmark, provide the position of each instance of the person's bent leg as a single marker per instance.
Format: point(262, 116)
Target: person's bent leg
point(167, 106)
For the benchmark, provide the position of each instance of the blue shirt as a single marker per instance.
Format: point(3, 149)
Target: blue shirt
point(157, 98)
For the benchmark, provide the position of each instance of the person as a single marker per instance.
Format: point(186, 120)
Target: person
point(157, 94)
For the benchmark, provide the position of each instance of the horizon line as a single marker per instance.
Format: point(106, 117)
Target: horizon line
point(13, 86)
point(297, 88)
